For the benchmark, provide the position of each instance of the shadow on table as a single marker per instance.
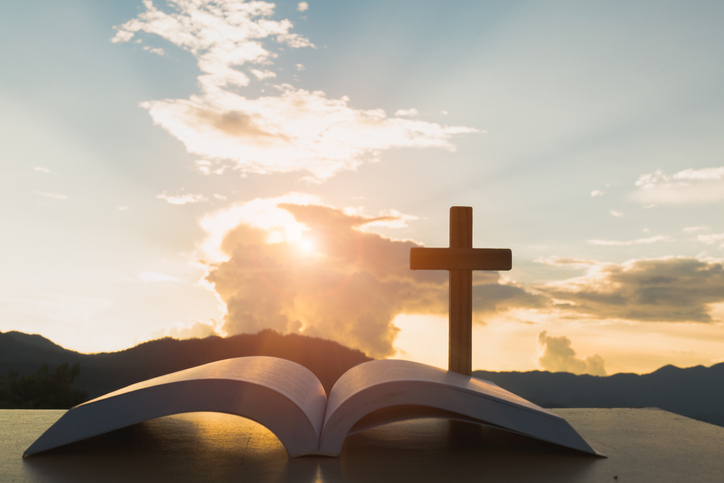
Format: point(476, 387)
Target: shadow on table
point(217, 447)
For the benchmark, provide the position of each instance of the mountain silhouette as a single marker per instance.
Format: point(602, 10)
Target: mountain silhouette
point(105, 372)
point(696, 392)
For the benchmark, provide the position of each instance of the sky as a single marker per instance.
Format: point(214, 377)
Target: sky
point(189, 168)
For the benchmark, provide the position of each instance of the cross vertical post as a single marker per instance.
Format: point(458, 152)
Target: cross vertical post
point(460, 339)
point(460, 259)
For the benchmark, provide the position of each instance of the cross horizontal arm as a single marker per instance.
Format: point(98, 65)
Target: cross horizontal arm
point(461, 258)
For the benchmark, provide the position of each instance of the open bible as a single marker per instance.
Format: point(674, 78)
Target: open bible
point(290, 401)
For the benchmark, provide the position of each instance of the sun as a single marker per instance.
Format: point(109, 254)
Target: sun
point(306, 245)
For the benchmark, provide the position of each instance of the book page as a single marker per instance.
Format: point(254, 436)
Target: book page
point(288, 378)
point(378, 372)
point(283, 396)
point(405, 386)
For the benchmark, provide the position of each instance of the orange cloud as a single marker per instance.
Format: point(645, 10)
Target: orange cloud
point(557, 355)
point(321, 271)
point(347, 285)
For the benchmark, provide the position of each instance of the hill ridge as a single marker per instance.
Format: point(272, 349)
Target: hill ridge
point(107, 371)
point(695, 392)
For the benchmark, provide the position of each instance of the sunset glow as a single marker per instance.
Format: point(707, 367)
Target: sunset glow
point(306, 245)
point(190, 168)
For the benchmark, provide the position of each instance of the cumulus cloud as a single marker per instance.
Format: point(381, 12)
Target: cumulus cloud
point(294, 265)
point(302, 6)
point(222, 35)
point(293, 130)
point(557, 355)
point(690, 186)
point(596, 193)
point(334, 280)
point(670, 289)
point(195, 330)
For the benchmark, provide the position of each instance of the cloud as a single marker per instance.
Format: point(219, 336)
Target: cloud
point(716, 174)
point(389, 219)
point(690, 186)
point(406, 112)
point(40, 169)
point(492, 295)
point(292, 130)
point(222, 35)
point(711, 239)
point(181, 199)
point(566, 262)
point(263, 74)
point(154, 50)
point(332, 279)
point(557, 355)
point(262, 213)
point(595, 193)
point(670, 289)
point(197, 330)
point(349, 290)
point(294, 265)
point(639, 241)
point(296, 130)
point(302, 6)
point(615, 213)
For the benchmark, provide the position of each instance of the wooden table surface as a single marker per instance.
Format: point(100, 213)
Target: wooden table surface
point(641, 444)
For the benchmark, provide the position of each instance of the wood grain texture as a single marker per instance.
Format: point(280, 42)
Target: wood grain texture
point(642, 445)
point(461, 227)
point(460, 258)
point(460, 340)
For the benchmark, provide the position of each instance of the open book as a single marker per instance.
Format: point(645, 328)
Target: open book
point(290, 401)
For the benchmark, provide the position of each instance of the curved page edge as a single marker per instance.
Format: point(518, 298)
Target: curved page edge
point(484, 409)
point(259, 403)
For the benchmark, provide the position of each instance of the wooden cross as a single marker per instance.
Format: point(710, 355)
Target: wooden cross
point(461, 259)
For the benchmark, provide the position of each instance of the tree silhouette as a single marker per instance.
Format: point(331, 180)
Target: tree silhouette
point(45, 389)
